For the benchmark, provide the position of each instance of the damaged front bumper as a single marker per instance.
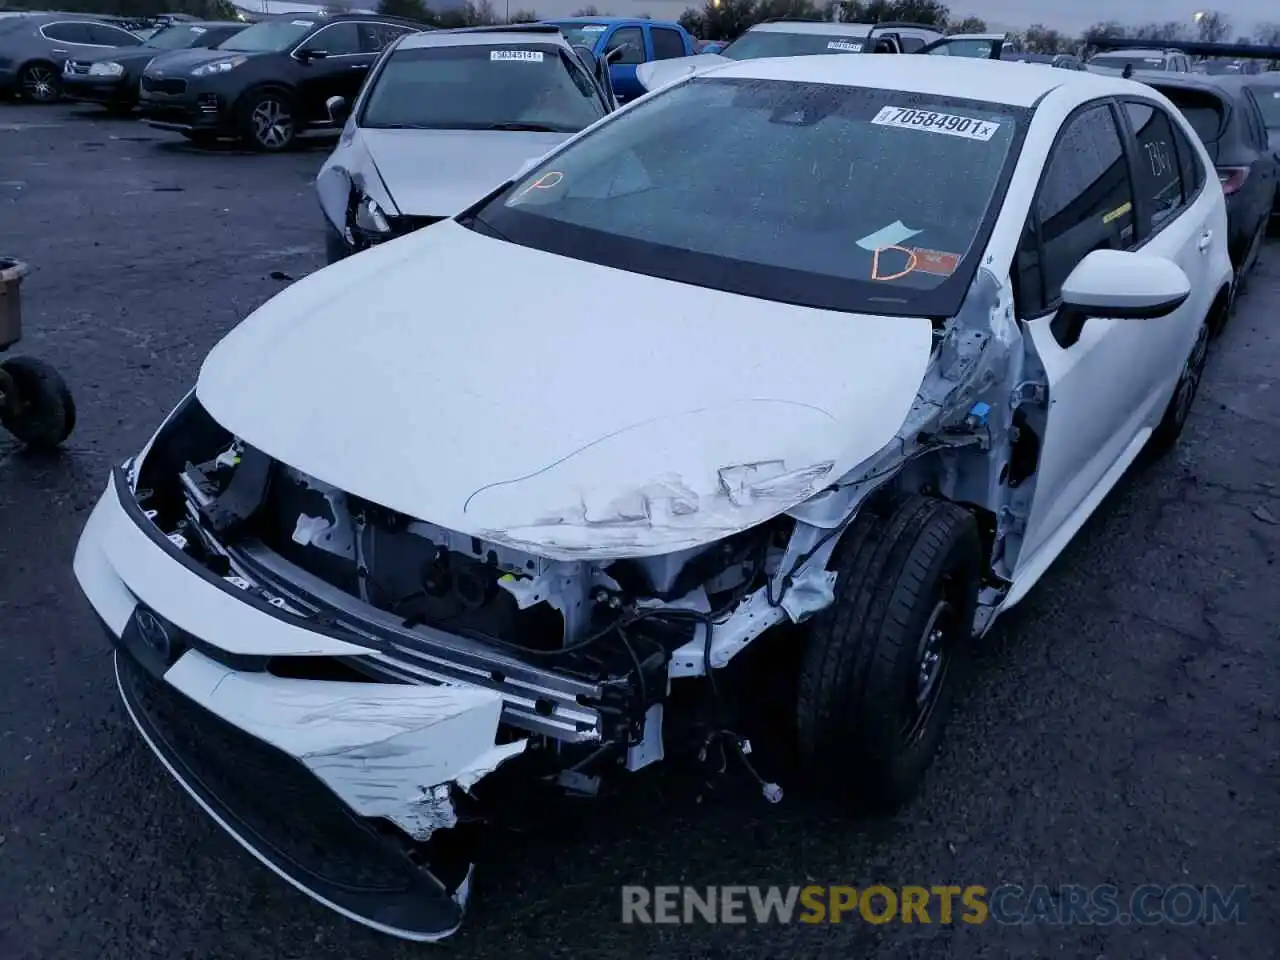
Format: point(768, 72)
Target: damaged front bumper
point(308, 775)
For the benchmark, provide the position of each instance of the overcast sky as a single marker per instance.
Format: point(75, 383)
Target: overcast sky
point(1072, 18)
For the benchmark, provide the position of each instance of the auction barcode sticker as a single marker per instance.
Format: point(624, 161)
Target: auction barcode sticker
point(953, 125)
point(529, 56)
point(851, 46)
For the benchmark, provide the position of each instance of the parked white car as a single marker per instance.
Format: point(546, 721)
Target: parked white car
point(856, 343)
point(444, 117)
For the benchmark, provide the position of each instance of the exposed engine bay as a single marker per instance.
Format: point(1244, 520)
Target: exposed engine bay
point(602, 665)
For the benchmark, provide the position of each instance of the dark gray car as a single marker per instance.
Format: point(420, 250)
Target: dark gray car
point(34, 48)
point(111, 77)
point(1225, 113)
point(1265, 90)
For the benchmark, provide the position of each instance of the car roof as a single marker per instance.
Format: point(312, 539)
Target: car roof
point(1186, 81)
point(1134, 53)
point(606, 19)
point(970, 77)
point(812, 26)
point(323, 17)
point(475, 36)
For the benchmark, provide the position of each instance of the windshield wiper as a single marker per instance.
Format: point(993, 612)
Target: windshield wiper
point(528, 127)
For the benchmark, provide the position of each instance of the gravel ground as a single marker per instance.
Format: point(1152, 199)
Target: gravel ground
point(1121, 727)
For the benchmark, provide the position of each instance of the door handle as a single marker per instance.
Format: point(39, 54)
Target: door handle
point(59, 50)
point(1205, 239)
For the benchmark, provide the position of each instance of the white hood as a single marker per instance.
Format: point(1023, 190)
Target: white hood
point(437, 173)
point(660, 73)
point(562, 407)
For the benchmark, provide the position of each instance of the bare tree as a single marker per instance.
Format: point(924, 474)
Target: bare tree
point(524, 16)
point(1212, 26)
point(1042, 39)
point(968, 25)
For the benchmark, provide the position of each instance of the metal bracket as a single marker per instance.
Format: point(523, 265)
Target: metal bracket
point(1030, 391)
point(1010, 522)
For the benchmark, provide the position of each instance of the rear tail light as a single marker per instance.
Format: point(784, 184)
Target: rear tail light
point(1232, 178)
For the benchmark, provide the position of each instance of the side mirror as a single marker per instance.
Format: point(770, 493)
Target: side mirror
point(1120, 284)
point(306, 56)
point(598, 67)
point(338, 109)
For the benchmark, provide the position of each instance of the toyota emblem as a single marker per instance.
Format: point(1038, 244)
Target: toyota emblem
point(154, 632)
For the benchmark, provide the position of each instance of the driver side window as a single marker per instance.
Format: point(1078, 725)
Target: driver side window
point(1085, 203)
point(633, 40)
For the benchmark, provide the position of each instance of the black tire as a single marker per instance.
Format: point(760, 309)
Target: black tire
point(255, 127)
point(39, 83)
point(1165, 436)
point(37, 407)
point(864, 736)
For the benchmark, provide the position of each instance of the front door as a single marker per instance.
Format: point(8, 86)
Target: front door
point(623, 67)
point(338, 73)
point(1109, 379)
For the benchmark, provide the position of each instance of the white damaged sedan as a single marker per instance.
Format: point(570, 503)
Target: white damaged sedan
point(524, 497)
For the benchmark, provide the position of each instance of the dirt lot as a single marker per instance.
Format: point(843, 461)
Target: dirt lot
point(1122, 727)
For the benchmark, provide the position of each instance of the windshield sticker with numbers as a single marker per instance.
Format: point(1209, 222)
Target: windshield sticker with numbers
point(527, 56)
point(301, 23)
point(931, 121)
point(849, 46)
point(593, 28)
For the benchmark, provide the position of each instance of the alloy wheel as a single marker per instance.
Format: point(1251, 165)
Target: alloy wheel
point(39, 83)
point(272, 123)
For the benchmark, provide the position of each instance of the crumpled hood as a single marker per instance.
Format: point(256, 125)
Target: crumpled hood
point(571, 409)
point(660, 73)
point(439, 173)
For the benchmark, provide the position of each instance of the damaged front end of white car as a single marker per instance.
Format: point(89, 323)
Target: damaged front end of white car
point(336, 682)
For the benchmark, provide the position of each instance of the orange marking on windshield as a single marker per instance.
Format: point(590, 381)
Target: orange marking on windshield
point(875, 262)
point(548, 180)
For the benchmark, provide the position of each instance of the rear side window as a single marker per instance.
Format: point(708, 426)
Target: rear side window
point(1085, 203)
point(667, 44)
point(1203, 111)
point(374, 37)
point(68, 32)
point(110, 36)
point(1257, 126)
point(1157, 173)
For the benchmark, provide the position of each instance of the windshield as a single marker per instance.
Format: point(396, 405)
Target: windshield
point(1117, 61)
point(980, 49)
point(843, 198)
point(176, 37)
point(771, 43)
point(1268, 98)
point(473, 87)
point(268, 35)
point(583, 34)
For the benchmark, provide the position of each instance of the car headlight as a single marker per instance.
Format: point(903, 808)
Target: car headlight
point(107, 68)
point(218, 66)
point(368, 219)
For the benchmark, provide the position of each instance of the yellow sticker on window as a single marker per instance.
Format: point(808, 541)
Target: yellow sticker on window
point(1118, 212)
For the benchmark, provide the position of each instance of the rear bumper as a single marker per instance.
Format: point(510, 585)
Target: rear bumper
point(342, 788)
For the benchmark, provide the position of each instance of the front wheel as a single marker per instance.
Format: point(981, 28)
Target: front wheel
point(39, 83)
point(879, 670)
point(268, 121)
point(35, 404)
